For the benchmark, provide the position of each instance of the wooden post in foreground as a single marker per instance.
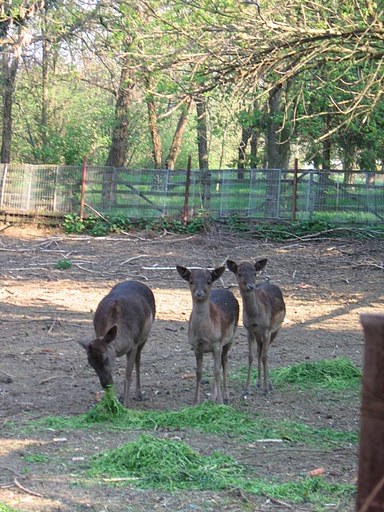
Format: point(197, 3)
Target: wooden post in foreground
point(370, 492)
point(83, 184)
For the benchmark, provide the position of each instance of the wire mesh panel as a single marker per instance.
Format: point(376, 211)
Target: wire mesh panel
point(336, 196)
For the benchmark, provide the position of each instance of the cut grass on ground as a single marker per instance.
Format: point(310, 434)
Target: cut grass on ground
point(207, 418)
point(170, 465)
point(334, 374)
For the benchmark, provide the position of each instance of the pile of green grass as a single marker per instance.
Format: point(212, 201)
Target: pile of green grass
point(166, 464)
point(171, 465)
point(334, 374)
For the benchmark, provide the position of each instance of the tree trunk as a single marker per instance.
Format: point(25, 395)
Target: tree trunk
point(246, 133)
point(153, 127)
point(10, 66)
point(278, 148)
point(44, 102)
point(326, 164)
point(202, 141)
point(349, 161)
point(119, 146)
point(176, 143)
point(253, 148)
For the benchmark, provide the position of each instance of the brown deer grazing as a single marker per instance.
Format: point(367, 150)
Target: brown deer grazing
point(212, 326)
point(122, 323)
point(263, 315)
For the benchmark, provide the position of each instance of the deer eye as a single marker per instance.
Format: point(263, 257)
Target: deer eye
point(240, 275)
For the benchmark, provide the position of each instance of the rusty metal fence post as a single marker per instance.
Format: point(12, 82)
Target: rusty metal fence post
point(370, 493)
point(186, 195)
point(294, 190)
point(83, 186)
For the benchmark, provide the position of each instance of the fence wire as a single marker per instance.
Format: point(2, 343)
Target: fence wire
point(279, 194)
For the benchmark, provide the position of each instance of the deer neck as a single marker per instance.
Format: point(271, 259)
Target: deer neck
point(201, 312)
point(251, 305)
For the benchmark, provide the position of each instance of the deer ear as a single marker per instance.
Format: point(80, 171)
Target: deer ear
point(232, 266)
point(111, 335)
point(260, 264)
point(217, 273)
point(183, 272)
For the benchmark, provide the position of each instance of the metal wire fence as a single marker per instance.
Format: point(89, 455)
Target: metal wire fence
point(279, 194)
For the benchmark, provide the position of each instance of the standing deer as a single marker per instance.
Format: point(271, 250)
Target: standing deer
point(212, 326)
point(122, 323)
point(263, 315)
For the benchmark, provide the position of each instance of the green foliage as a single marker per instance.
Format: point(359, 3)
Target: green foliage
point(73, 224)
point(63, 264)
point(118, 223)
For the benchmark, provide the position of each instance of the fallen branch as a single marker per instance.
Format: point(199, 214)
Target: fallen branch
point(278, 502)
point(44, 381)
point(24, 489)
point(12, 471)
point(87, 269)
point(52, 326)
point(134, 258)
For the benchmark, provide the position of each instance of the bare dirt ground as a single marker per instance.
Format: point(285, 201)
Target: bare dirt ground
point(43, 370)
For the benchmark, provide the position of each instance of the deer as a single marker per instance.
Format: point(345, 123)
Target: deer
point(122, 322)
point(212, 326)
point(263, 314)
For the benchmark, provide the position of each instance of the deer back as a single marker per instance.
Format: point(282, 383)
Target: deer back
point(122, 320)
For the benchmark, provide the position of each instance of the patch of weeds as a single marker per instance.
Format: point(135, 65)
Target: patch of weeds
point(5, 508)
point(170, 465)
point(63, 264)
point(102, 226)
point(73, 224)
point(36, 458)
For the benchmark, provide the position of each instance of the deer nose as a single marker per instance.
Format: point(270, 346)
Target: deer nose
point(199, 294)
point(251, 286)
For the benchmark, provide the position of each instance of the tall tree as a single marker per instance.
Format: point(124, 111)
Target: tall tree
point(13, 37)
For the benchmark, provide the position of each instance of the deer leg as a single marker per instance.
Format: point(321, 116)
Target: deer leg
point(199, 373)
point(217, 359)
point(251, 351)
point(259, 352)
point(224, 364)
point(131, 356)
point(264, 357)
point(138, 395)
